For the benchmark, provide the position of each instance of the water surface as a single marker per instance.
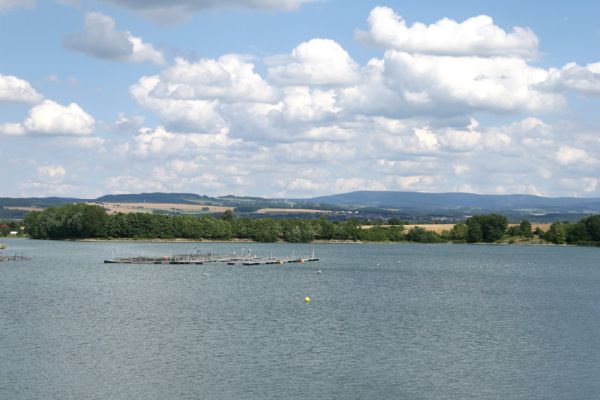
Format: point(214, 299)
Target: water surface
point(385, 322)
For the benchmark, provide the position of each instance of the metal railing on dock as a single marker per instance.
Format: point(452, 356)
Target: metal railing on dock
point(210, 258)
point(15, 257)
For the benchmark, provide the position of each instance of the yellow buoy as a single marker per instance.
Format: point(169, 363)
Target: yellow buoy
point(307, 299)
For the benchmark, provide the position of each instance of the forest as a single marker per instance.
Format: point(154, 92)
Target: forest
point(84, 221)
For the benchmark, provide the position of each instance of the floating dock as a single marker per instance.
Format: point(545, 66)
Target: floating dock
point(15, 257)
point(210, 258)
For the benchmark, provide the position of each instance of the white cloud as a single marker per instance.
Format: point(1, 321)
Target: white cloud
point(474, 36)
point(101, 39)
point(178, 10)
point(160, 142)
point(405, 84)
point(230, 78)
point(567, 155)
point(183, 115)
point(13, 89)
point(316, 62)
point(574, 77)
point(12, 129)
point(54, 173)
point(314, 121)
point(51, 118)
point(7, 5)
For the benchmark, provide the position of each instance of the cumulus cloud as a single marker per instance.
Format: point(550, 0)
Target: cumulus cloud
point(6, 5)
point(574, 77)
point(54, 173)
point(229, 78)
point(12, 129)
point(13, 89)
point(184, 115)
point(51, 118)
point(567, 155)
point(470, 118)
point(101, 39)
point(474, 36)
point(177, 10)
point(316, 62)
point(160, 142)
point(405, 84)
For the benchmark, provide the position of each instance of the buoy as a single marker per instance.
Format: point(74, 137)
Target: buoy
point(307, 299)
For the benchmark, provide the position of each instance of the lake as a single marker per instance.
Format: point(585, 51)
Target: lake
point(386, 321)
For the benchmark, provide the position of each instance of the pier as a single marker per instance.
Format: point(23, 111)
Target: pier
point(15, 257)
point(210, 258)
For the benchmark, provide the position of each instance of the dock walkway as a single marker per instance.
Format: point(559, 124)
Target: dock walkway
point(209, 258)
point(15, 257)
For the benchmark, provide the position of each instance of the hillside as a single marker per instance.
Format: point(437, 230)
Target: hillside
point(466, 201)
point(411, 206)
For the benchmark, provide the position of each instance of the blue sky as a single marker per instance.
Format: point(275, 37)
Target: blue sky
point(298, 97)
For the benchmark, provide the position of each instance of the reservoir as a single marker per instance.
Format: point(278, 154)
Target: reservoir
point(384, 321)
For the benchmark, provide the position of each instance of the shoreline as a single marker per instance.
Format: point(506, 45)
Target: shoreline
point(127, 240)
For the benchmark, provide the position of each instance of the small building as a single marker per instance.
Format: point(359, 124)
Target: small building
point(13, 233)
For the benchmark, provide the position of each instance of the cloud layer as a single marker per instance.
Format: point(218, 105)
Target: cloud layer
point(101, 39)
point(474, 36)
point(449, 106)
point(177, 10)
point(15, 90)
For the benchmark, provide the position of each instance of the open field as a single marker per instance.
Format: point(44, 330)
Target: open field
point(439, 228)
point(28, 209)
point(290, 211)
point(127, 208)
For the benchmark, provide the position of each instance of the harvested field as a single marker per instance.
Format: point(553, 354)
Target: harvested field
point(439, 228)
point(126, 208)
point(28, 209)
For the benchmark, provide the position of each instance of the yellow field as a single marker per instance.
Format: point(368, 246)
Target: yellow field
point(28, 209)
point(126, 208)
point(439, 228)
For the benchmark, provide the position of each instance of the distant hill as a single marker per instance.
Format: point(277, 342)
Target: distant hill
point(454, 201)
point(175, 198)
point(410, 206)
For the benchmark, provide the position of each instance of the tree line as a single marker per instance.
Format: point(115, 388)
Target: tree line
point(82, 221)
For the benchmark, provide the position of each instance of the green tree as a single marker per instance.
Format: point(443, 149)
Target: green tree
point(487, 228)
point(556, 233)
point(525, 229)
point(459, 232)
point(592, 225)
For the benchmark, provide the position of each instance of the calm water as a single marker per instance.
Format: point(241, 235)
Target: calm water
point(386, 322)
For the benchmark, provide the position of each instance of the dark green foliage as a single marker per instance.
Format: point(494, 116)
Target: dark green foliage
point(80, 221)
point(525, 229)
point(459, 232)
point(70, 221)
point(513, 231)
point(421, 235)
point(556, 233)
point(297, 231)
point(265, 230)
point(577, 233)
point(592, 225)
point(486, 228)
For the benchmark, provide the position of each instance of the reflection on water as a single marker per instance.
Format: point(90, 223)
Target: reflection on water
point(384, 322)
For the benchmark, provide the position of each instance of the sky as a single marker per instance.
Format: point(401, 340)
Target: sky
point(298, 98)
